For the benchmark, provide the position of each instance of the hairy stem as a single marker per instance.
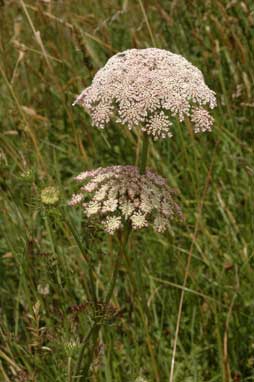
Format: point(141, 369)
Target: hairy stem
point(144, 153)
point(126, 235)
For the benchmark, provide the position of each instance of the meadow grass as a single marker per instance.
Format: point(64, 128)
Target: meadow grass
point(49, 51)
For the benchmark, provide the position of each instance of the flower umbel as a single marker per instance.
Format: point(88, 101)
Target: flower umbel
point(50, 195)
point(202, 120)
point(120, 193)
point(145, 87)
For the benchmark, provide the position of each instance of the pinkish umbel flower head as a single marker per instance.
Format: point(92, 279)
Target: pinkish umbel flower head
point(120, 193)
point(148, 88)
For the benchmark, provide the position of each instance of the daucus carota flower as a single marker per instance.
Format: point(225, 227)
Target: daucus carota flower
point(112, 224)
point(148, 88)
point(120, 193)
point(202, 120)
point(50, 195)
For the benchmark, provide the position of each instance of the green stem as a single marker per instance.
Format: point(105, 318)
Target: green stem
point(95, 329)
point(95, 335)
point(140, 285)
point(90, 271)
point(53, 249)
point(69, 378)
point(82, 351)
point(144, 153)
point(142, 170)
point(117, 263)
point(140, 299)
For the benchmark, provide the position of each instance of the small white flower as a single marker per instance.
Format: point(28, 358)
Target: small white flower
point(110, 205)
point(177, 105)
point(146, 205)
point(158, 126)
point(90, 187)
point(101, 193)
point(138, 220)
point(127, 208)
point(92, 208)
point(166, 208)
point(76, 199)
point(160, 224)
point(84, 175)
point(202, 120)
point(112, 224)
point(102, 114)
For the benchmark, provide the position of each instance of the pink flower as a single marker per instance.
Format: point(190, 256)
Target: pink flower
point(119, 193)
point(147, 88)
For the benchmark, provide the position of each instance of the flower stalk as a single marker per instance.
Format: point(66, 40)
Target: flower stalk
point(96, 327)
point(126, 235)
point(144, 154)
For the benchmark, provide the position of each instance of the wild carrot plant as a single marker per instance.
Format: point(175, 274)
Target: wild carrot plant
point(146, 89)
point(182, 305)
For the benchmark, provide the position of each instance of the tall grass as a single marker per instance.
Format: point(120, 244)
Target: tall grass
point(50, 50)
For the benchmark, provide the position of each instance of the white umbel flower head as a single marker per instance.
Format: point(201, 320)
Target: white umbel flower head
point(202, 120)
point(138, 220)
point(148, 88)
point(118, 194)
point(112, 224)
point(50, 195)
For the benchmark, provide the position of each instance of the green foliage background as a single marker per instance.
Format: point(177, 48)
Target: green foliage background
point(50, 51)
